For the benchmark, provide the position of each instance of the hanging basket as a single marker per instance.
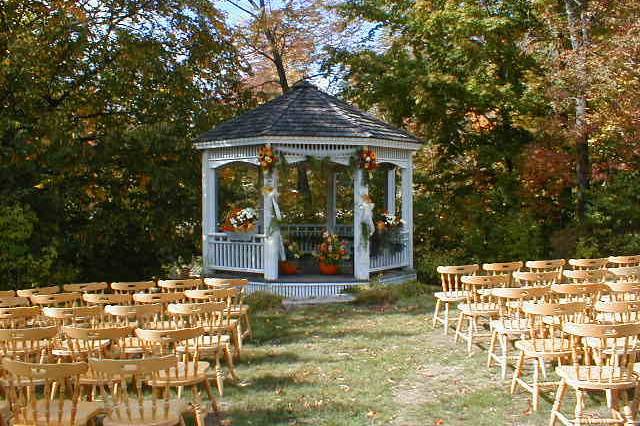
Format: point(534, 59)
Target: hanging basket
point(329, 268)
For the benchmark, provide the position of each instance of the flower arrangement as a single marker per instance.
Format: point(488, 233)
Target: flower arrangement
point(332, 250)
point(267, 158)
point(241, 220)
point(292, 250)
point(388, 221)
point(368, 159)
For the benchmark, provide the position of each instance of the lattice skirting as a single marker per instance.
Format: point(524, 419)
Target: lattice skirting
point(320, 290)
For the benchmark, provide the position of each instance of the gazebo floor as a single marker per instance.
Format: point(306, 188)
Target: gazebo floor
point(313, 285)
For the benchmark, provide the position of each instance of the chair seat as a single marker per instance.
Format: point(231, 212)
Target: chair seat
point(185, 375)
point(147, 414)
point(207, 344)
point(61, 417)
point(451, 296)
point(544, 347)
point(67, 348)
point(478, 309)
point(511, 326)
point(597, 377)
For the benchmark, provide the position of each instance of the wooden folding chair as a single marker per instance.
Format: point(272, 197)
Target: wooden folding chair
point(588, 264)
point(95, 287)
point(226, 295)
point(121, 385)
point(511, 323)
point(65, 300)
point(162, 299)
point(215, 343)
point(618, 261)
point(613, 375)
point(625, 273)
point(480, 304)
point(86, 316)
point(239, 310)
point(189, 372)
point(132, 287)
point(169, 286)
point(586, 275)
point(502, 268)
point(452, 292)
point(552, 265)
point(103, 299)
point(28, 292)
point(546, 342)
point(14, 301)
point(22, 316)
point(48, 394)
point(585, 292)
point(535, 279)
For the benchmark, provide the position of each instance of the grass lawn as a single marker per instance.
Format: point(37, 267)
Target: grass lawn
point(351, 365)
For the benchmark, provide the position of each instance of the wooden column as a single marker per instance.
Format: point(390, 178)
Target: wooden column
point(390, 193)
point(407, 207)
point(271, 253)
point(209, 206)
point(360, 241)
point(331, 201)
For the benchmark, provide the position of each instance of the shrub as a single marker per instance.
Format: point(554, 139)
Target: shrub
point(264, 301)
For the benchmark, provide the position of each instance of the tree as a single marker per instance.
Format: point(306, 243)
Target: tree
point(100, 104)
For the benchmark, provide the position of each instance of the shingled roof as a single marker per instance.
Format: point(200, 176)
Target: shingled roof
point(306, 111)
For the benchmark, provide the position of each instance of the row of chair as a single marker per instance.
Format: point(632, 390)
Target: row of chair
point(109, 343)
point(589, 329)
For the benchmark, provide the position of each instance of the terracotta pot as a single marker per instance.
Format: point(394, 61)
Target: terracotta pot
point(288, 268)
point(329, 269)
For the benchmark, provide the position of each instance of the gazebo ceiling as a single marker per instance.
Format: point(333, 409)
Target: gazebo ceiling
point(305, 112)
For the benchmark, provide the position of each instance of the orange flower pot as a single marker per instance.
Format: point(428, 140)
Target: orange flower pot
point(288, 268)
point(329, 269)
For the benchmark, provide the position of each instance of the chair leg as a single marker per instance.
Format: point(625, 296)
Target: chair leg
point(247, 319)
point(579, 408)
point(230, 364)
point(212, 399)
point(535, 389)
point(434, 322)
point(446, 318)
point(557, 403)
point(470, 333)
point(517, 372)
point(219, 375)
point(492, 344)
point(504, 343)
point(458, 327)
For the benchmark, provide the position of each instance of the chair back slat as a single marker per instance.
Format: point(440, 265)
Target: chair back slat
point(535, 279)
point(94, 287)
point(450, 276)
point(588, 264)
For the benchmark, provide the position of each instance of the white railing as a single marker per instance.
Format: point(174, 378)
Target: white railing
point(235, 252)
point(390, 258)
point(309, 236)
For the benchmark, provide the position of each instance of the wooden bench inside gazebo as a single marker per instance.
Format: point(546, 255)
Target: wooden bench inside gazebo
point(307, 123)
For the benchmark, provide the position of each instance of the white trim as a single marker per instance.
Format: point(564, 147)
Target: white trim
point(317, 140)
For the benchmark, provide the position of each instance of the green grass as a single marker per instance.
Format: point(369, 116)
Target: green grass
point(366, 365)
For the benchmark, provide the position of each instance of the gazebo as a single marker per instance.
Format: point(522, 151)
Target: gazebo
point(301, 124)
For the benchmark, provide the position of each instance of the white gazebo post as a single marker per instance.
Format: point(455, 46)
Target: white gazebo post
point(209, 205)
point(407, 208)
point(390, 194)
point(360, 241)
point(271, 232)
point(331, 201)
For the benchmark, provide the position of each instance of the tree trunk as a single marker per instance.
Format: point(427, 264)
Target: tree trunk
point(579, 36)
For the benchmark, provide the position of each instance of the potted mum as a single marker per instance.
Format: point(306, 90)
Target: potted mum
point(241, 221)
point(292, 253)
point(330, 253)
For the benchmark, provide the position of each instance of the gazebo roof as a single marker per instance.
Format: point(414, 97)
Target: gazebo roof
point(306, 112)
